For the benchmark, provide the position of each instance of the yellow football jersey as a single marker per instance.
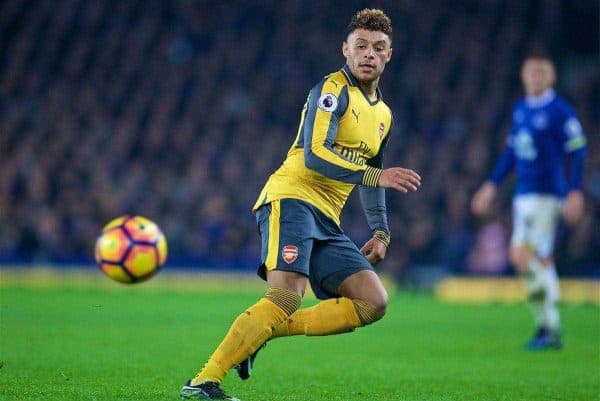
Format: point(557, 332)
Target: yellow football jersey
point(339, 144)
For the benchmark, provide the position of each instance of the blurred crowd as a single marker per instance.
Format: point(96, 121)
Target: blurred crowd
point(179, 111)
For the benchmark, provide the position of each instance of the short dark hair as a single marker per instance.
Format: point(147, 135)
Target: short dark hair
point(371, 19)
point(539, 54)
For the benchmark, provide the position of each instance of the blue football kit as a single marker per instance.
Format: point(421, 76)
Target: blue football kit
point(545, 130)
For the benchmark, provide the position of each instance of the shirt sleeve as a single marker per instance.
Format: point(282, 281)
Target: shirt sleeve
point(373, 203)
point(575, 145)
point(576, 166)
point(505, 163)
point(373, 200)
point(327, 103)
point(572, 133)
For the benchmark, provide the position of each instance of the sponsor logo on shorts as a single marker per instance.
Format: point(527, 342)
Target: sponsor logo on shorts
point(289, 253)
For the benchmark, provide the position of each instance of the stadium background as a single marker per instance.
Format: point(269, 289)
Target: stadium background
point(163, 109)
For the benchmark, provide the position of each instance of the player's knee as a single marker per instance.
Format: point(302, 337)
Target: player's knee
point(380, 303)
point(292, 281)
point(519, 257)
point(286, 299)
point(373, 309)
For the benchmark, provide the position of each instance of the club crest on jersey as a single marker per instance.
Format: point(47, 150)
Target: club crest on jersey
point(289, 253)
point(381, 130)
point(328, 102)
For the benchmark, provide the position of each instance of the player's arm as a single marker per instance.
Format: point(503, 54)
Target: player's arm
point(327, 103)
point(483, 198)
point(373, 202)
point(575, 146)
point(504, 165)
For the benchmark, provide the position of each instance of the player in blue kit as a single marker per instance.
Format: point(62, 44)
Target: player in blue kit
point(545, 132)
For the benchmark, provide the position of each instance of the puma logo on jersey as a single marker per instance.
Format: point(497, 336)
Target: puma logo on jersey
point(355, 114)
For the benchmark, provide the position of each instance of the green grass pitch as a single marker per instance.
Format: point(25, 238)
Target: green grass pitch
point(113, 342)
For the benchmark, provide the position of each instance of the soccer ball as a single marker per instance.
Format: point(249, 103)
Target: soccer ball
point(131, 249)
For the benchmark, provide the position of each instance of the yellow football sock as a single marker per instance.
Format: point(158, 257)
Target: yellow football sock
point(248, 332)
point(333, 316)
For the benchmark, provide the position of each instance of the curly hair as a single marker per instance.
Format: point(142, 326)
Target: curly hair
point(371, 19)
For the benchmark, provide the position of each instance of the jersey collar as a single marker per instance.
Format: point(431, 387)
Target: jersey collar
point(354, 82)
point(541, 100)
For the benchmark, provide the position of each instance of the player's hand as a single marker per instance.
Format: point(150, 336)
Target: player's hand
point(483, 198)
point(374, 250)
point(573, 208)
point(400, 179)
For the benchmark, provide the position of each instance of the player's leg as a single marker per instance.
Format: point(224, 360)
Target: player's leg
point(523, 259)
point(530, 253)
point(361, 300)
point(255, 325)
point(368, 294)
point(549, 305)
point(278, 279)
point(544, 233)
point(522, 245)
point(543, 293)
point(528, 265)
point(531, 269)
point(247, 334)
point(353, 296)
